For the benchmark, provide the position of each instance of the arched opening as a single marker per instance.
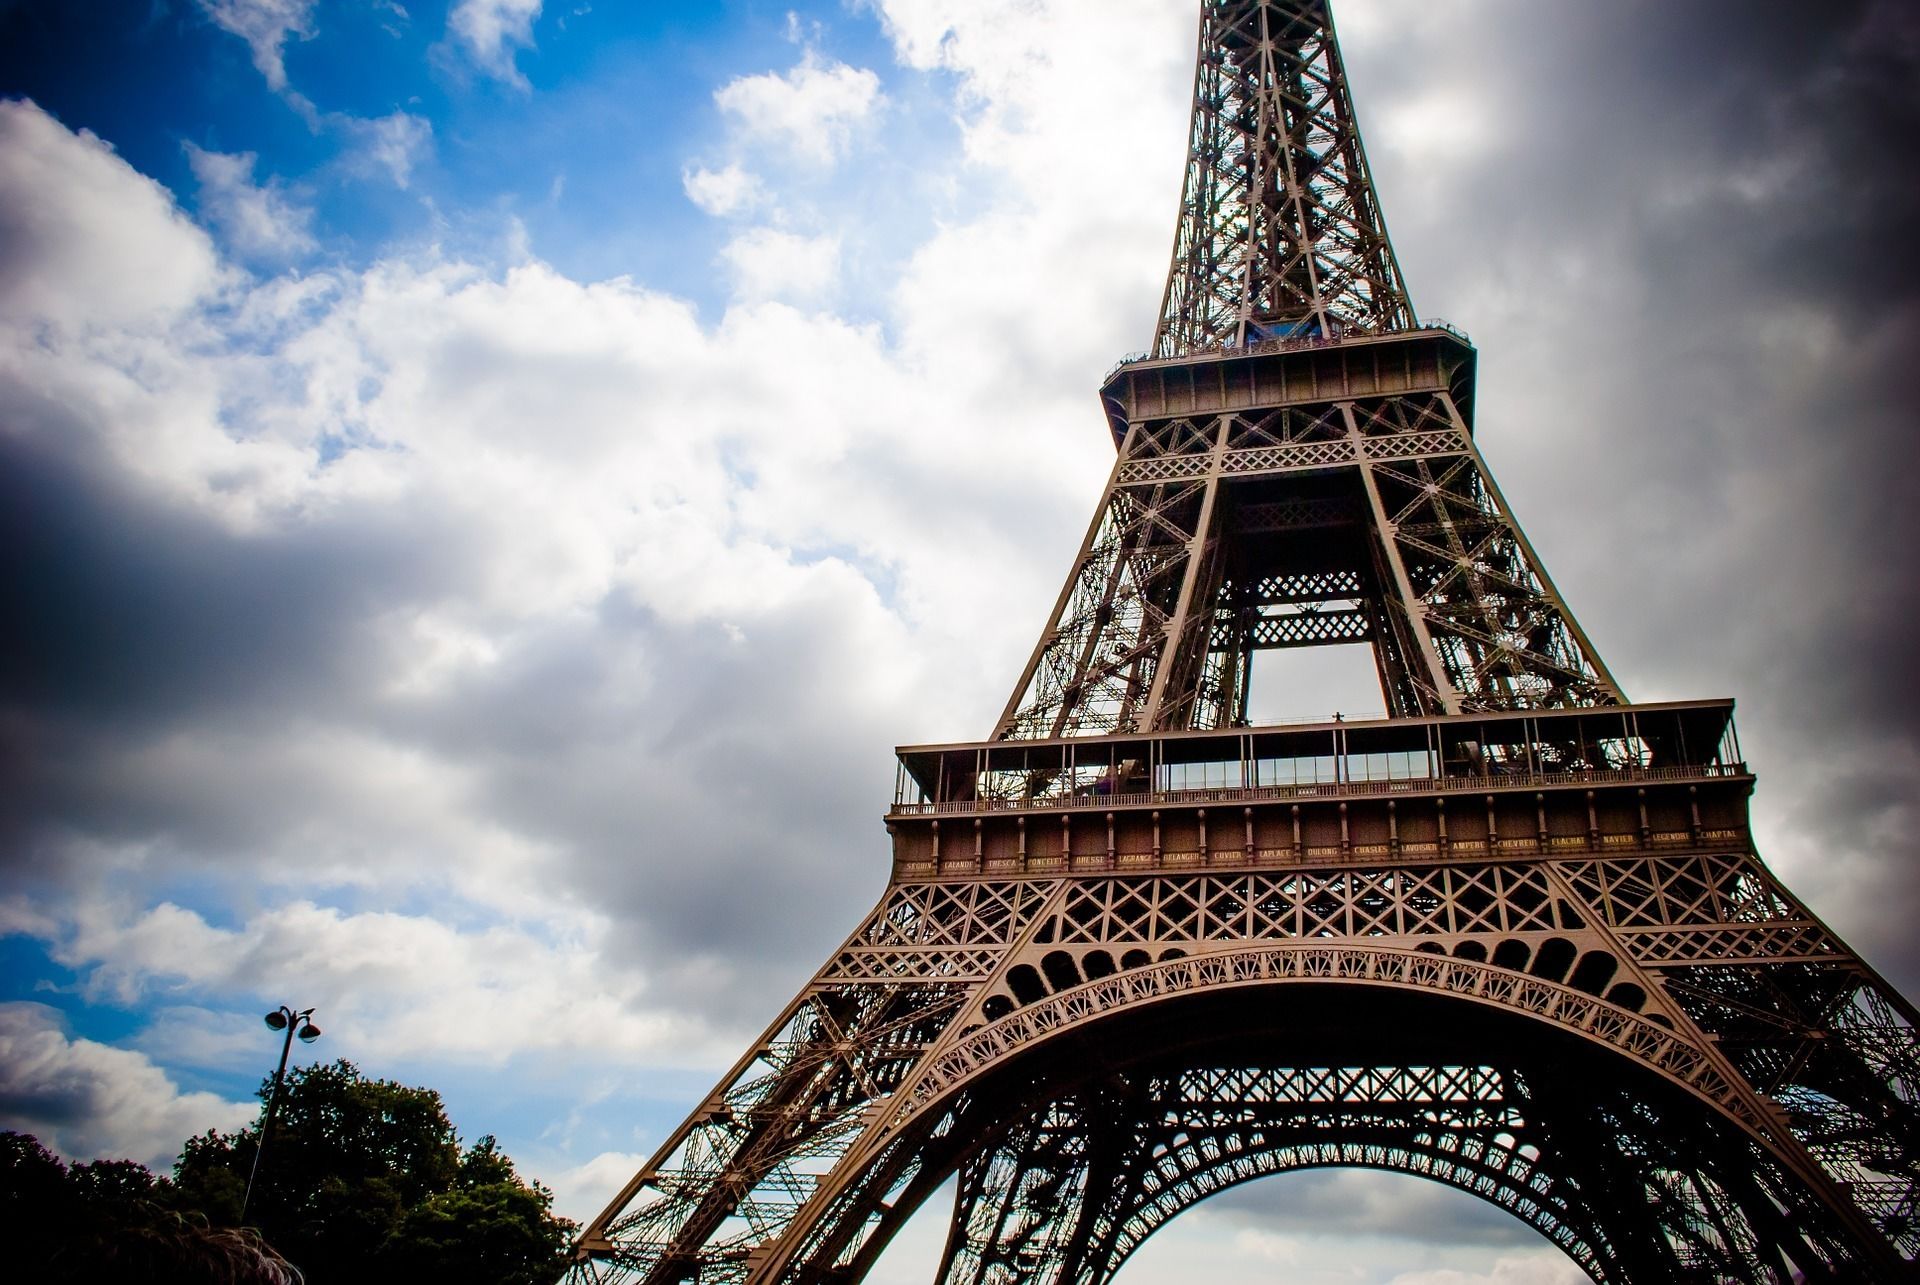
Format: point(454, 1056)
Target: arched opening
point(1628, 995)
point(1595, 969)
point(1025, 984)
point(1553, 959)
point(1519, 1111)
point(1330, 1226)
point(1512, 953)
point(1062, 974)
point(1348, 1224)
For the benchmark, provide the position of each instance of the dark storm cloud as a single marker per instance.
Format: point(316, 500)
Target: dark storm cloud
point(132, 619)
point(132, 613)
point(714, 794)
point(649, 754)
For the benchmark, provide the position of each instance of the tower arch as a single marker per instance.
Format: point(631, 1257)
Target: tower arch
point(1073, 1148)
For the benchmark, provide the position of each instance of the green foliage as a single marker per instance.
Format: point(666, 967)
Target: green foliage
point(497, 1231)
point(111, 1184)
point(33, 1186)
point(485, 1163)
point(104, 1221)
point(366, 1180)
point(363, 1181)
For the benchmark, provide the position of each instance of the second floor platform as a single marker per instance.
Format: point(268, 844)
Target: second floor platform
point(1519, 784)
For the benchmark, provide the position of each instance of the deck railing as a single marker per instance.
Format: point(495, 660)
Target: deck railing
point(1286, 343)
point(1519, 779)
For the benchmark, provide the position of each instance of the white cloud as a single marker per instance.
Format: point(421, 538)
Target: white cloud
point(88, 1100)
point(728, 190)
point(583, 1190)
point(85, 242)
point(1068, 233)
point(1266, 1246)
point(391, 145)
point(1448, 124)
point(265, 26)
point(556, 455)
point(770, 264)
point(258, 221)
point(1031, 75)
point(493, 32)
point(389, 985)
point(190, 1035)
point(1543, 1267)
point(812, 109)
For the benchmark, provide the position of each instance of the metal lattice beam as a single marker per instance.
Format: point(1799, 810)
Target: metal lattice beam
point(1280, 233)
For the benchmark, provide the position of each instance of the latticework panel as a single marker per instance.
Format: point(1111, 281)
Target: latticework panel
point(1625, 1185)
point(1095, 668)
point(1784, 1000)
point(939, 914)
point(1300, 904)
point(936, 930)
point(1156, 626)
point(1680, 889)
point(745, 1165)
point(1501, 634)
point(1280, 232)
point(856, 1100)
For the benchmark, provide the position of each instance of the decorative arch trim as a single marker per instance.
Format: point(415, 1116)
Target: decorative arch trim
point(1666, 1052)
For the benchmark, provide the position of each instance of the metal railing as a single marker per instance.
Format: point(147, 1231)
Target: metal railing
point(1435, 323)
point(1286, 343)
point(1520, 779)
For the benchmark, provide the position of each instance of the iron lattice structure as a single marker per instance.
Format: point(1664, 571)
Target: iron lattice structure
point(1514, 937)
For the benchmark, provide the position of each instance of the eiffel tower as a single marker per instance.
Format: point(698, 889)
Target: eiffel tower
point(1513, 937)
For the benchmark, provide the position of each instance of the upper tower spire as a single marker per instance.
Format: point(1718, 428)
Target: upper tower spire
point(1280, 232)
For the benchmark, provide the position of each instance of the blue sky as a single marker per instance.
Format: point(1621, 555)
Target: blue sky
point(575, 122)
point(487, 485)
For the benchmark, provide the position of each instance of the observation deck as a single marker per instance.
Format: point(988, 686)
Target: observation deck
point(1520, 784)
point(1436, 357)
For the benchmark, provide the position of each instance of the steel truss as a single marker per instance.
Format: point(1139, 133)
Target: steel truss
point(1744, 1063)
point(1076, 1186)
point(1280, 232)
point(1166, 605)
point(1134, 953)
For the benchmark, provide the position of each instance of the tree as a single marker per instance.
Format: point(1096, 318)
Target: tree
point(33, 1188)
point(366, 1180)
point(104, 1221)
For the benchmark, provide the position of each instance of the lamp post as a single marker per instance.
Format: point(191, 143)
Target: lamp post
point(281, 1019)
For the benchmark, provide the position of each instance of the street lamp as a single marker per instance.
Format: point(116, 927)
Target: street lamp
point(300, 1024)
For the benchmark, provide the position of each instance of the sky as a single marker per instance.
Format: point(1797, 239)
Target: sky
point(484, 486)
